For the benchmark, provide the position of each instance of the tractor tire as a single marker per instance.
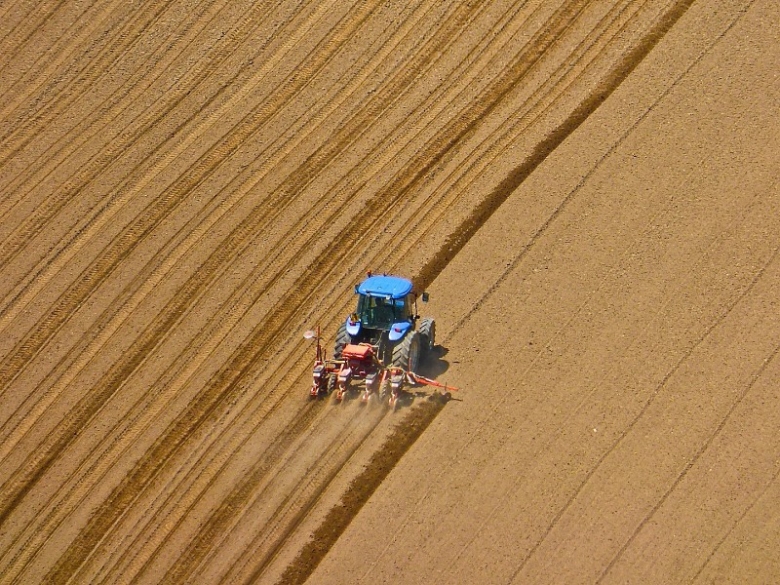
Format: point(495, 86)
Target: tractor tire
point(342, 339)
point(427, 332)
point(406, 353)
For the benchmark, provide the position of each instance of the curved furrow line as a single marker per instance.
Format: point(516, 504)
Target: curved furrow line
point(117, 379)
point(233, 507)
point(152, 216)
point(54, 203)
point(140, 177)
point(104, 114)
point(26, 31)
point(93, 68)
point(536, 109)
point(26, 547)
point(50, 62)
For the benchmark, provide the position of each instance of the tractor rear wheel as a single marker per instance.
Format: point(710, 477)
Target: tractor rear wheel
point(406, 354)
point(342, 339)
point(427, 332)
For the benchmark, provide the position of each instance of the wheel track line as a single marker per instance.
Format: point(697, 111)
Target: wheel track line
point(53, 205)
point(109, 259)
point(26, 36)
point(51, 61)
point(737, 522)
point(706, 333)
point(130, 91)
point(115, 377)
point(129, 33)
point(105, 213)
point(716, 242)
point(708, 442)
point(712, 248)
point(23, 234)
point(140, 282)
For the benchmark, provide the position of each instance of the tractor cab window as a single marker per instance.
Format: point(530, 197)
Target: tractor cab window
point(380, 312)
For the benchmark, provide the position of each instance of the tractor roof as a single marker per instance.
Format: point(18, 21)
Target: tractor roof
point(385, 286)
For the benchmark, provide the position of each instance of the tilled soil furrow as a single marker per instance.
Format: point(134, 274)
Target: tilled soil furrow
point(350, 238)
point(35, 86)
point(534, 116)
point(155, 213)
point(54, 203)
point(139, 177)
point(20, 35)
point(694, 460)
point(127, 33)
point(488, 206)
point(101, 101)
point(260, 212)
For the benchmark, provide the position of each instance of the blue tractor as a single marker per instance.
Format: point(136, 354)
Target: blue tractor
point(387, 319)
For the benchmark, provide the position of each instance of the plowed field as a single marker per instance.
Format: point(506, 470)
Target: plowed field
point(589, 190)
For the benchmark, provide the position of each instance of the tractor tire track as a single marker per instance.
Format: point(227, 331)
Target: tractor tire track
point(103, 213)
point(23, 33)
point(53, 205)
point(348, 239)
point(47, 68)
point(233, 507)
point(59, 145)
point(102, 268)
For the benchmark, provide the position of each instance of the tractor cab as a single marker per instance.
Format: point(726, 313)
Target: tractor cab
point(385, 304)
point(386, 318)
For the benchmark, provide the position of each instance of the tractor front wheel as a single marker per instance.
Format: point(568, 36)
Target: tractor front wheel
point(406, 354)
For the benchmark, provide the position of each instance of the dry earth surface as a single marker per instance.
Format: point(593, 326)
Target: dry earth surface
point(589, 190)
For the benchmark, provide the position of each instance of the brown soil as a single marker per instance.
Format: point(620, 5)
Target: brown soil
point(587, 188)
